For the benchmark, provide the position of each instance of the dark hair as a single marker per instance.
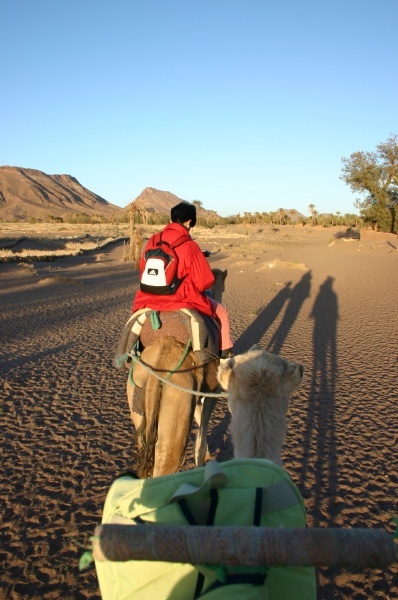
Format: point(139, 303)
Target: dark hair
point(183, 212)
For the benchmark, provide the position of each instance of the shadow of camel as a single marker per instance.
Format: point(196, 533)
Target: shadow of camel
point(219, 442)
point(255, 332)
point(320, 445)
point(267, 315)
point(299, 293)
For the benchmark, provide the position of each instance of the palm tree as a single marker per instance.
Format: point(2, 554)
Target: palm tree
point(312, 210)
point(280, 214)
point(198, 205)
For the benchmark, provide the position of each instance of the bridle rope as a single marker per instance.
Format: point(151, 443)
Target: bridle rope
point(167, 381)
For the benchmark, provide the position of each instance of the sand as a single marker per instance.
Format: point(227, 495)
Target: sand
point(319, 297)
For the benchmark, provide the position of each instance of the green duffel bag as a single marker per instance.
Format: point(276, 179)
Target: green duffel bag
point(242, 492)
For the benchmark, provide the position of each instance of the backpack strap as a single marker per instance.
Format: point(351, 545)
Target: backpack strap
point(178, 242)
point(211, 515)
point(236, 578)
point(213, 478)
point(258, 504)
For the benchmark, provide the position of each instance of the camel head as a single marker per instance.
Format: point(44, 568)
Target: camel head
point(259, 386)
point(218, 287)
point(260, 370)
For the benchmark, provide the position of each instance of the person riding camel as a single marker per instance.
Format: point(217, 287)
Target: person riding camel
point(195, 276)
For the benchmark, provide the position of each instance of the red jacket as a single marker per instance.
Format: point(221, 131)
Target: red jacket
point(193, 268)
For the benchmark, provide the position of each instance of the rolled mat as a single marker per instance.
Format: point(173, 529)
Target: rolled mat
point(246, 546)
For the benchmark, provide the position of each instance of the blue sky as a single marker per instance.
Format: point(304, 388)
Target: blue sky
point(244, 105)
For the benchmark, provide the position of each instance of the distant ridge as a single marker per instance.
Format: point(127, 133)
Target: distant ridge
point(156, 201)
point(29, 193)
point(294, 215)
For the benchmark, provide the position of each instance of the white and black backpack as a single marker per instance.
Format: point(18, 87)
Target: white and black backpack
point(160, 272)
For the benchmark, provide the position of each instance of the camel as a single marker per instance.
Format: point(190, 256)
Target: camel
point(164, 427)
point(259, 386)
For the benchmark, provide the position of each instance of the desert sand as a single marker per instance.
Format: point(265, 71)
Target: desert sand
point(323, 298)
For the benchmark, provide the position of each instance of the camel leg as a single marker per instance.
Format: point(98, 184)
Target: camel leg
point(137, 422)
point(199, 436)
point(135, 417)
point(203, 411)
point(175, 422)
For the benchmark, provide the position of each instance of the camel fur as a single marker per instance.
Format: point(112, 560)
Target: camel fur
point(259, 386)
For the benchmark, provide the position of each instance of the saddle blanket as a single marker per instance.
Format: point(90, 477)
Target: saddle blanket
point(147, 325)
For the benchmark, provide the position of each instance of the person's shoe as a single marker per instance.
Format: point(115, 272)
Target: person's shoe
point(227, 353)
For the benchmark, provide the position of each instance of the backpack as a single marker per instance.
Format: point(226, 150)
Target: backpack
point(159, 275)
point(242, 492)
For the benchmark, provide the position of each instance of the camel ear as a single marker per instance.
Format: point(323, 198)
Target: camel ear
point(255, 347)
point(296, 368)
point(295, 374)
point(225, 372)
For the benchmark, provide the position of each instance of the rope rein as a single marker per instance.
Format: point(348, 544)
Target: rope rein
point(178, 365)
point(166, 380)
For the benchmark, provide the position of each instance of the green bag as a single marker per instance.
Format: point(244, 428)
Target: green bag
point(238, 492)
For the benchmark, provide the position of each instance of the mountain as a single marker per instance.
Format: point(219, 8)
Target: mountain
point(29, 193)
point(294, 215)
point(156, 201)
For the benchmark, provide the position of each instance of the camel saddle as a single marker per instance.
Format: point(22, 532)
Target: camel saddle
point(145, 326)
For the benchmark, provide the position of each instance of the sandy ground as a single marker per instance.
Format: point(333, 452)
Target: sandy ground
point(315, 296)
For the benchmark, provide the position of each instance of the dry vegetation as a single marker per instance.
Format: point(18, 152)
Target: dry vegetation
point(38, 242)
point(24, 242)
point(70, 249)
point(49, 230)
point(21, 242)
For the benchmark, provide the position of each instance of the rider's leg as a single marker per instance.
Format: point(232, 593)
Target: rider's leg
point(225, 329)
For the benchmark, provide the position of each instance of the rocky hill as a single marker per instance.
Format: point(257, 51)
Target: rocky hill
point(29, 193)
point(156, 201)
